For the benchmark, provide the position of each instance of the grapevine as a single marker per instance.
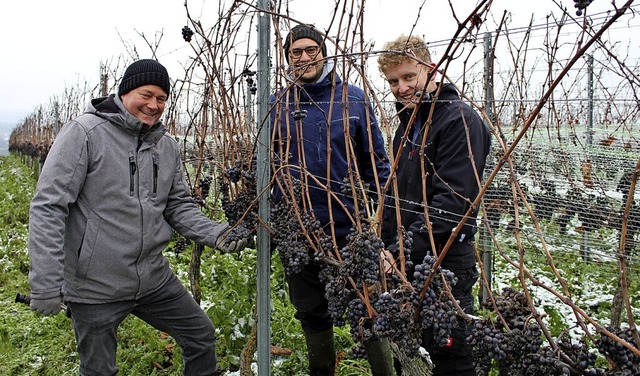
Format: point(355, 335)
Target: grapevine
point(238, 189)
point(517, 348)
point(293, 231)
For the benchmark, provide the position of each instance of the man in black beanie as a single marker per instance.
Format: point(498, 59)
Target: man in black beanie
point(144, 72)
point(109, 197)
point(326, 129)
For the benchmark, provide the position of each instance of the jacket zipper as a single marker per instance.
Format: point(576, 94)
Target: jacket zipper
point(155, 173)
point(132, 171)
point(414, 139)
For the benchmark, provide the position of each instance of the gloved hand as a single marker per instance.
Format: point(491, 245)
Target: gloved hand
point(231, 242)
point(46, 307)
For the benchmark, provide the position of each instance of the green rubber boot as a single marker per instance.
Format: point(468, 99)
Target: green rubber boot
point(380, 357)
point(321, 351)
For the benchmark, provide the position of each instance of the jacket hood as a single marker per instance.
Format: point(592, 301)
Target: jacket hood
point(309, 92)
point(326, 71)
point(112, 109)
point(448, 92)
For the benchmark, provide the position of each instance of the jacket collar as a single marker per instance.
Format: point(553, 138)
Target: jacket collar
point(112, 109)
point(448, 92)
point(308, 91)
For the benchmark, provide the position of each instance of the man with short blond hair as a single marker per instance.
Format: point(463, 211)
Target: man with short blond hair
point(448, 169)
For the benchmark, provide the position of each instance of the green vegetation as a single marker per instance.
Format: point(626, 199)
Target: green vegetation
point(34, 345)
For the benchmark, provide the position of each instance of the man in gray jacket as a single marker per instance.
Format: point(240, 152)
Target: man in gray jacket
point(111, 192)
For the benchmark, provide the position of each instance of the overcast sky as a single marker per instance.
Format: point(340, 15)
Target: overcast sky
point(49, 45)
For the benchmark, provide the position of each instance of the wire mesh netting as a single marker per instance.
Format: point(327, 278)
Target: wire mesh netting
point(559, 189)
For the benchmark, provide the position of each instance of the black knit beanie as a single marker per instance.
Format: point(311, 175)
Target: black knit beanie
point(144, 72)
point(304, 31)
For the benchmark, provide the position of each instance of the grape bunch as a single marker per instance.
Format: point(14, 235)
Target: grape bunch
point(542, 363)
point(395, 321)
point(205, 186)
point(187, 33)
point(510, 347)
point(580, 355)
point(516, 351)
point(567, 359)
point(624, 360)
point(314, 228)
point(513, 306)
point(201, 191)
point(237, 233)
point(437, 310)
point(581, 5)
point(180, 245)
point(237, 203)
point(337, 292)
point(358, 352)
point(294, 231)
point(251, 84)
point(293, 246)
point(517, 348)
point(199, 200)
point(486, 340)
point(360, 197)
point(361, 256)
point(360, 324)
point(297, 234)
point(521, 350)
point(407, 244)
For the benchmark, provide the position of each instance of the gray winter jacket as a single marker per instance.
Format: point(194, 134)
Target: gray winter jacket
point(106, 202)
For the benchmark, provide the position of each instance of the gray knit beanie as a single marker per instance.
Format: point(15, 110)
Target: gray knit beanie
point(304, 31)
point(144, 72)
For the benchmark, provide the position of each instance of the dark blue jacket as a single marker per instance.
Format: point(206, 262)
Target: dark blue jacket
point(311, 126)
point(449, 175)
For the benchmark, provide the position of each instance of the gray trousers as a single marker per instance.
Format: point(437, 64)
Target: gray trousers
point(170, 309)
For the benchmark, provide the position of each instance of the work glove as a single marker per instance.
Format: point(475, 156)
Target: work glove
point(231, 242)
point(46, 307)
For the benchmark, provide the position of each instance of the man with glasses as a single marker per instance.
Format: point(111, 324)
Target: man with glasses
point(324, 132)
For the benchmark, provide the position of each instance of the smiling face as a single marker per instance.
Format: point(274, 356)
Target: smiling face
point(305, 57)
point(146, 103)
point(409, 78)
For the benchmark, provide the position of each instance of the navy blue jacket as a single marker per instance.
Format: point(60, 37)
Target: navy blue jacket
point(450, 183)
point(311, 126)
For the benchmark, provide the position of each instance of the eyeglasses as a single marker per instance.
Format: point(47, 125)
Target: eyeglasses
point(311, 51)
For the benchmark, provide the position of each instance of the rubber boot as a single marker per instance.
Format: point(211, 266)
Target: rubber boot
point(380, 357)
point(321, 351)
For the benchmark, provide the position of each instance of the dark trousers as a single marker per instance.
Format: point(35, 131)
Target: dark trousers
point(307, 296)
point(170, 309)
point(456, 358)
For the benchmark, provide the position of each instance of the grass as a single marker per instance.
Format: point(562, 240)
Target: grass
point(34, 345)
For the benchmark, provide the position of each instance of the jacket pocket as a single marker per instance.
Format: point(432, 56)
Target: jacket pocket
point(87, 247)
